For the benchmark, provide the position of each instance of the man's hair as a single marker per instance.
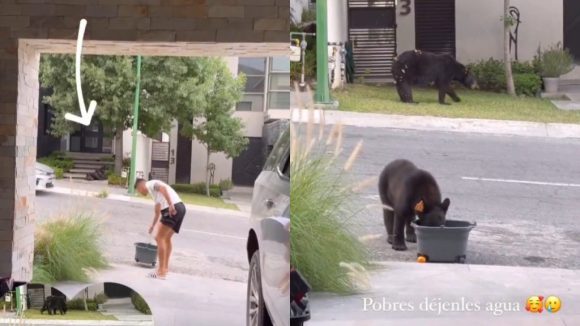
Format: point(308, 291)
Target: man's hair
point(138, 181)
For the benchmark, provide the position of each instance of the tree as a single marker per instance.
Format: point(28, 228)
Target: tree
point(216, 127)
point(169, 86)
point(508, 23)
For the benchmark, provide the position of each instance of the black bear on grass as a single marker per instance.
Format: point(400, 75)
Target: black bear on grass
point(54, 303)
point(406, 192)
point(418, 67)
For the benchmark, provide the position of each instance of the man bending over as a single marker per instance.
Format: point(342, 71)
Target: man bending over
point(171, 209)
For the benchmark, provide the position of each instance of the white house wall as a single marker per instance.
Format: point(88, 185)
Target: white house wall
point(479, 31)
point(337, 21)
point(173, 137)
point(223, 165)
point(143, 162)
point(405, 28)
point(253, 124)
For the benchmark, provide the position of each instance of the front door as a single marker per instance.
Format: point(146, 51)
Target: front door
point(572, 27)
point(87, 139)
point(435, 26)
point(92, 137)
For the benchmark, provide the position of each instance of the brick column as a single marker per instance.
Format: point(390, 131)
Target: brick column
point(8, 91)
point(25, 160)
point(18, 132)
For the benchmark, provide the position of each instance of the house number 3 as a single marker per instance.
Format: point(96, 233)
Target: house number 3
point(406, 7)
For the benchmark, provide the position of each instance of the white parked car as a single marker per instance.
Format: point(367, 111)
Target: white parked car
point(44, 176)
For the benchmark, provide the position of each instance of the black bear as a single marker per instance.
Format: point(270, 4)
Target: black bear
point(406, 192)
point(418, 67)
point(52, 303)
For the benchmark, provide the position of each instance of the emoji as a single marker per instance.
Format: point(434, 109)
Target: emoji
point(553, 304)
point(534, 304)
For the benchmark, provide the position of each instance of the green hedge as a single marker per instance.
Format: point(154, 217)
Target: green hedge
point(198, 188)
point(527, 84)
point(116, 180)
point(140, 303)
point(226, 184)
point(490, 76)
point(79, 304)
point(59, 162)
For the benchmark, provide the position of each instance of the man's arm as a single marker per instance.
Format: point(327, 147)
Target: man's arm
point(163, 190)
point(155, 217)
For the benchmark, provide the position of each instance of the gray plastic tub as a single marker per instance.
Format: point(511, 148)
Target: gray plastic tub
point(446, 243)
point(146, 253)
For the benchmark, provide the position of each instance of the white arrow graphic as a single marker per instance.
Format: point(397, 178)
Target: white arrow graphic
point(86, 116)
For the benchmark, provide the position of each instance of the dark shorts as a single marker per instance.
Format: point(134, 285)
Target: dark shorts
point(174, 221)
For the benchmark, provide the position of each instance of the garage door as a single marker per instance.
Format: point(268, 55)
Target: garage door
point(435, 26)
point(372, 31)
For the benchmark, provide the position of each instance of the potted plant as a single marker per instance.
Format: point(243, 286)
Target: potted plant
point(553, 63)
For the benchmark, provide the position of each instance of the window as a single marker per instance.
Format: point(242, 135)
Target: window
point(255, 71)
point(279, 83)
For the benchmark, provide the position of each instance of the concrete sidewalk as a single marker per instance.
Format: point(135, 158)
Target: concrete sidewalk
point(452, 294)
point(428, 123)
point(87, 189)
point(241, 197)
point(180, 299)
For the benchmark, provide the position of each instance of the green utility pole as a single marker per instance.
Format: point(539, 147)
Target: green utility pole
point(322, 84)
point(135, 127)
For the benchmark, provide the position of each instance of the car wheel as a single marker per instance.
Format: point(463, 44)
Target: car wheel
point(256, 314)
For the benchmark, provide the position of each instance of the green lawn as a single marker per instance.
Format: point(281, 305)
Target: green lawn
point(70, 315)
point(202, 200)
point(474, 104)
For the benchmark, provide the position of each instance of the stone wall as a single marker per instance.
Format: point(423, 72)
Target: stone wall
point(157, 22)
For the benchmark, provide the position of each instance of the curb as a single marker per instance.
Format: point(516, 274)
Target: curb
point(196, 208)
point(429, 123)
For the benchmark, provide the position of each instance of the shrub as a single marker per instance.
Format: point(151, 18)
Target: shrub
point(116, 180)
point(59, 162)
point(103, 194)
point(140, 303)
point(525, 67)
point(555, 62)
point(100, 298)
point(322, 216)
point(198, 188)
point(79, 304)
point(527, 84)
point(66, 249)
point(226, 184)
point(58, 173)
point(490, 76)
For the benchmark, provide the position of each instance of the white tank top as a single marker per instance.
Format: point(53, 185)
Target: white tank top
point(153, 187)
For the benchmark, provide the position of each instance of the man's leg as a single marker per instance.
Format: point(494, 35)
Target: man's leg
point(165, 234)
point(168, 250)
point(161, 249)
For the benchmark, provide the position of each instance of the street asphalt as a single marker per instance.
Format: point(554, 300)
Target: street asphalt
point(522, 192)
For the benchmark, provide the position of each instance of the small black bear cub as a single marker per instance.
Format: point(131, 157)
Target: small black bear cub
point(418, 67)
point(406, 192)
point(53, 303)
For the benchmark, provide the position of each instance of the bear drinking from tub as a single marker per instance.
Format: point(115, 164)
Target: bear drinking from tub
point(407, 192)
